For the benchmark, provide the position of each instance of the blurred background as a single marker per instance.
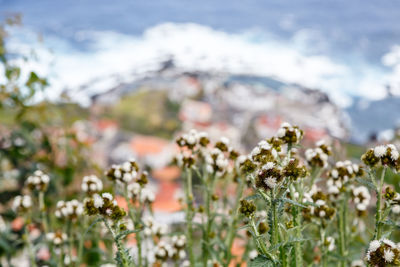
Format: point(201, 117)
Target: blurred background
point(126, 77)
point(85, 84)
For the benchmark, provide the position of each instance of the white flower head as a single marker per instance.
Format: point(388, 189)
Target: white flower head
point(374, 245)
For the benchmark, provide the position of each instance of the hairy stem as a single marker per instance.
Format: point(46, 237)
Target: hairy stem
point(378, 216)
point(189, 215)
point(232, 229)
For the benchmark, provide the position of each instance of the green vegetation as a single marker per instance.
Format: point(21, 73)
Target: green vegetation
point(146, 112)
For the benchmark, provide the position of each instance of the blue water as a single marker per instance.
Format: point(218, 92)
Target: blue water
point(352, 30)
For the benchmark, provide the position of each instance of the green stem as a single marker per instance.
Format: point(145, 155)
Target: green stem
point(232, 229)
point(323, 252)
point(298, 253)
point(29, 245)
point(378, 216)
point(124, 261)
point(136, 223)
point(274, 229)
point(342, 225)
point(260, 244)
point(43, 212)
point(189, 215)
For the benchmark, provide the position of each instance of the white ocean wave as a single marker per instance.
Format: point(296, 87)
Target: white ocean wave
point(112, 57)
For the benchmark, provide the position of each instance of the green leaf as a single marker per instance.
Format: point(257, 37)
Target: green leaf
point(391, 223)
point(261, 261)
point(292, 202)
point(253, 197)
point(366, 183)
point(127, 232)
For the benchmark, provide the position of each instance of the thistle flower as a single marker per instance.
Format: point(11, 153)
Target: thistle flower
point(91, 184)
point(383, 253)
point(124, 173)
point(269, 176)
point(38, 181)
point(104, 205)
point(69, 210)
point(289, 134)
point(22, 203)
point(57, 238)
point(387, 155)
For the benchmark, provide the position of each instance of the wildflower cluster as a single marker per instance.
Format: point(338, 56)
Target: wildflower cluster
point(383, 253)
point(69, 209)
point(104, 205)
point(38, 181)
point(91, 184)
point(387, 155)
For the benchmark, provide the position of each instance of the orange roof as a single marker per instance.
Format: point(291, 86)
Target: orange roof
point(168, 173)
point(106, 124)
point(147, 145)
point(165, 199)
